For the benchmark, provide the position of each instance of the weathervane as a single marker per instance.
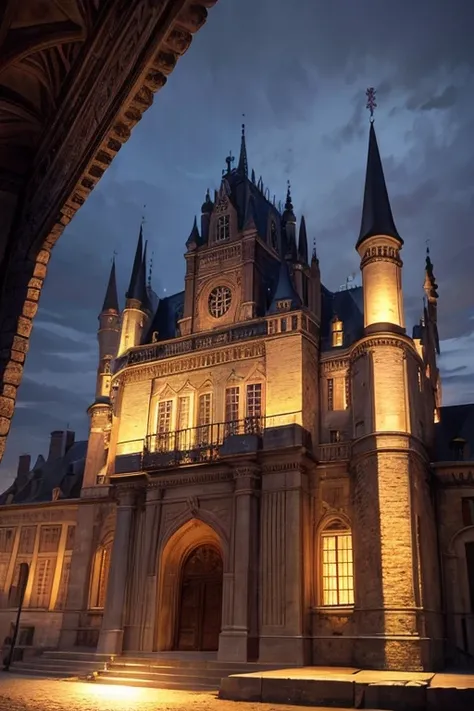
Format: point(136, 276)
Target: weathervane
point(114, 254)
point(150, 271)
point(371, 103)
point(143, 216)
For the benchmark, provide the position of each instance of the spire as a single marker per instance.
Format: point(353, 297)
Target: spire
point(253, 176)
point(285, 297)
point(111, 298)
point(288, 214)
point(136, 266)
point(303, 242)
point(430, 285)
point(243, 165)
point(377, 218)
point(142, 281)
point(194, 237)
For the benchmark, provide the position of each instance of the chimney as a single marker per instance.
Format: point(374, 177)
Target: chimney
point(24, 466)
point(61, 441)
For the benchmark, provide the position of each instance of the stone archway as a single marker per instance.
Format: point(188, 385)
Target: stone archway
point(179, 573)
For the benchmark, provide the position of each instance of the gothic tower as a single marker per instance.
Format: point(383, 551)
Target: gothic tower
point(393, 519)
point(136, 312)
point(100, 411)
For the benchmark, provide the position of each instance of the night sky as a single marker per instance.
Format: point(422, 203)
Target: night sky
point(299, 77)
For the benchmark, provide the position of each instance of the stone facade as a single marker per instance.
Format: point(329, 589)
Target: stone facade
point(259, 477)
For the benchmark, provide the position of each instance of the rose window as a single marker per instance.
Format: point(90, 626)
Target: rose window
point(219, 301)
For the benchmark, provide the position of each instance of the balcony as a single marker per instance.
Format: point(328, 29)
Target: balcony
point(212, 442)
point(334, 452)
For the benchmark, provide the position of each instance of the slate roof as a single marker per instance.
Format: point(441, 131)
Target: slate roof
point(64, 472)
point(348, 306)
point(377, 218)
point(165, 320)
point(456, 422)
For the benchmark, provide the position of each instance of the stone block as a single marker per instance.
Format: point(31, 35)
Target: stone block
point(30, 309)
point(4, 425)
point(241, 688)
point(308, 692)
point(24, 326)
point(396, 696)
point(441, 698)
point(7, 406)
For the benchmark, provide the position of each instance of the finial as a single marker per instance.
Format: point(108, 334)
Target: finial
point(114, 254)
point(143, 217)
point(150, 270)
point(371, 103)
point(229, 160)
point(314, 256)
point(288, 204)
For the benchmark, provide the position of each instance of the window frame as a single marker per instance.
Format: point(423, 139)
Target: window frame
point(222, 228)
point(337, 332)
point(336, 528)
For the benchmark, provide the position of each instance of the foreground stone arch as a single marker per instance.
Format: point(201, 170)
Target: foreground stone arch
point(117, 56)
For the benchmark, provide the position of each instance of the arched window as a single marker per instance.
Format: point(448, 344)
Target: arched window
point(337, 332)
point(223, 228)
point(100, 574)
point(337, 565)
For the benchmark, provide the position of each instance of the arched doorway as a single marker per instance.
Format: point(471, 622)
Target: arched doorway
point(200, 605)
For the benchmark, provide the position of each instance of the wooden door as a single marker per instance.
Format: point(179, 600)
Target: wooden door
point(200, 612)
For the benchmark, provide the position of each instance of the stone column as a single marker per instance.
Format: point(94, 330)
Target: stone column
point(111, 634)
point(153, 506)
point(238, 641)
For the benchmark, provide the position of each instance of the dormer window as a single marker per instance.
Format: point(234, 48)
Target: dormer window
point(223, 228)
point(337, 333)
point(458, 447)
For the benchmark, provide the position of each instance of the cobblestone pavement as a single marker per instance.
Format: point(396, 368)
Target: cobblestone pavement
point(19, 693)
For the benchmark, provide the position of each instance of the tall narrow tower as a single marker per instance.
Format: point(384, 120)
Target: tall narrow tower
point(394, 536)
point(100, 412)
point(135, 313)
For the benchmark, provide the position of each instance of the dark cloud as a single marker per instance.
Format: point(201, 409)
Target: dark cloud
point(299, 73)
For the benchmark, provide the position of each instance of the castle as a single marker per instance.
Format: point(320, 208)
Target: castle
point(269, 472)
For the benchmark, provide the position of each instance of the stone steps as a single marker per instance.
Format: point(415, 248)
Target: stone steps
point(167, 671)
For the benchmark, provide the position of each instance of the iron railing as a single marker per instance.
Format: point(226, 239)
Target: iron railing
point(209, 442)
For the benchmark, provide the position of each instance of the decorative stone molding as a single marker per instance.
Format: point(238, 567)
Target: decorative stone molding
point(184, 365)
point(197, 478)
point(367, 344)
point(329, 366)
point(283, 467)
point(455, 477)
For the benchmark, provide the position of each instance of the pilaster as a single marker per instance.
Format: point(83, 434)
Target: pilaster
point(284, 609)
point(239, 638)
point(111, 634)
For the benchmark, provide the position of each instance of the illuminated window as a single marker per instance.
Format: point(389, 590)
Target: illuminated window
point(330, 394)
point(232, 409)
point(254, 400)
point(223, 228)
point(253, 408)
point(63, 583)
point(347, 388)
point(27, 540)
point(420, 382)
point(334, 436)
point(163, 435)
point(204, 418)
point(100, 575)
point(43, 583)
point(337, 333)
point(182, 422)
point(337, 565)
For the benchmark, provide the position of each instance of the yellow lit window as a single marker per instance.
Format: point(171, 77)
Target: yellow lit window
point(337, 332)
point(337, 565)
point(100, 575)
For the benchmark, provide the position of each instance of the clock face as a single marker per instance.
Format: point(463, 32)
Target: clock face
point(220, 299)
